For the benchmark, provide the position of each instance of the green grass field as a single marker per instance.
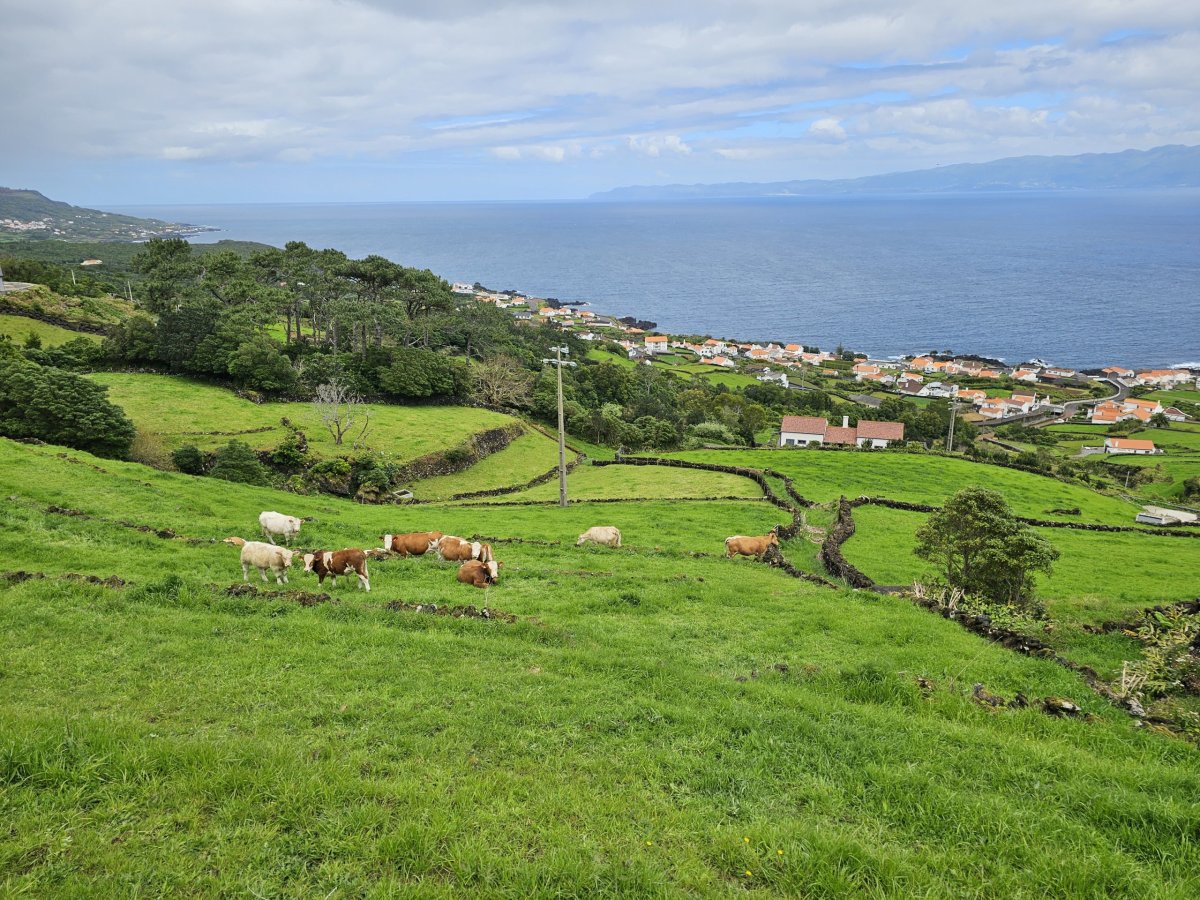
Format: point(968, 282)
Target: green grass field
point(183, 411)
point(629, 736)
point(642, 483)
point(825, 475)
point(530, 455)
point(19, 328)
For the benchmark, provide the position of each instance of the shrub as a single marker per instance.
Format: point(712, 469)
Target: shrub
point(59, 407)
point(237, 462)
point(148, 449)
point(189, 460)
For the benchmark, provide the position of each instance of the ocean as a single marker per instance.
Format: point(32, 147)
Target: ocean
point(1080, 279)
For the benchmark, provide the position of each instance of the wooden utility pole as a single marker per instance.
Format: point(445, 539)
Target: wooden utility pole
point(953, 416)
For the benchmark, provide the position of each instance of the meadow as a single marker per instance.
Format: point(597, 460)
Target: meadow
point(18, 329)
point(654, 723)
point(824, 475)
point(183, 411)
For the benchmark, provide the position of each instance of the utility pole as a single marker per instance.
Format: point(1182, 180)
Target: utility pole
point(558, 362)
point(953, 416)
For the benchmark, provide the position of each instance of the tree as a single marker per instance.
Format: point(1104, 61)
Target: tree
point(340, 409)
point(188, 459)
point(502, 382)
point(169, 268)
point(420, 374)
point(1160, 420)
point(982, 549)
point(237, 462)
point(260, 364)
point(60, 407)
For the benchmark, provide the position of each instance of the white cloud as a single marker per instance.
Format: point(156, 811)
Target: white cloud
point(827, 129)
point(658, 145)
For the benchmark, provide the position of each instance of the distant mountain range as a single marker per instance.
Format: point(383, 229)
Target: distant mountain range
point(29, 215)
point(1173, 166)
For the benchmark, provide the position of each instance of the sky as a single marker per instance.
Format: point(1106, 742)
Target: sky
point(181, 101)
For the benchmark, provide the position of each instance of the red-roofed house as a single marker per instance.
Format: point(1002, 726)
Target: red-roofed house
point(800, 431)
point(1118, 372)
point(1129, 445)
point(658, 343)
point(1174, 415)
point(878, 434)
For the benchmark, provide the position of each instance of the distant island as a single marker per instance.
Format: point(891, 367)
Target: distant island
point(30, 215)
point(1174, 166)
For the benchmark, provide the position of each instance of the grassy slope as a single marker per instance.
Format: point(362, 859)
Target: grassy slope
point(173, 406)
point(629, 483)
point(166, 739)
point(826, 475)
point(530, 455)
point(1098, 577)
point(19, 327)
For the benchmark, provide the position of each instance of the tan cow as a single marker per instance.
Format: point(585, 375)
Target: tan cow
point(480, 574)
point(414, 543)
point(456, 549)
point(338, 562)
point(604, 535)
point(741, 545)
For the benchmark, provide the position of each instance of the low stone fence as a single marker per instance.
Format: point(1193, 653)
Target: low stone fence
point(831, 548)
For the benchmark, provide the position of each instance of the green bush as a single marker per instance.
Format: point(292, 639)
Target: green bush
point(189, 460)
point(237, 462)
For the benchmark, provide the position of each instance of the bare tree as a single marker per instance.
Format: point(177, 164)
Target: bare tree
point(340, 410)
point(502, 381)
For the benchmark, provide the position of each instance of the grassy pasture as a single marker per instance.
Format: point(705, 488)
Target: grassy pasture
point(166, 738)
point(183, 411)
point(642, 483)
point(20, 327)
point(530, 455)
point(825, 475)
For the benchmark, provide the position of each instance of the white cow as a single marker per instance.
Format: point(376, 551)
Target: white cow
point(264, 557)
point(604, 535)
point(278, 525)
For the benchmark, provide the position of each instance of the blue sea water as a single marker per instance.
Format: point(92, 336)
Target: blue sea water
point(1076, 279)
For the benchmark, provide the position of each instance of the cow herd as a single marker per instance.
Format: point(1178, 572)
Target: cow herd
point(479, 566)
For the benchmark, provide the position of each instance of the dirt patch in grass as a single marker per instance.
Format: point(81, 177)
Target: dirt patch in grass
point(304, 598)
point(456, 612)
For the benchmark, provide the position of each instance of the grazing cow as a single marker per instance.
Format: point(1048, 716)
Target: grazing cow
point(740, 545)
point(263, 557)
point(456, 549)
point(480, 574)
point(338, 562)
point(415, 543)
point(277, 524)
point(604, 535)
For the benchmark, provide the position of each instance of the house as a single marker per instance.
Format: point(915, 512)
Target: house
point(1174, 415)
point(459, 287)
point(1164, 377)
point(1129, 445)
point(1055, 372)
point(793, 350)
point(971, 395)
point(882, 378)
point(523, 315)
point(657, 343)
point(1110, 412)
point(1157, 515)
point(993, 408)
point(769, 377)
point(987, 373)
point(861, 369)
point(1030, 375)
point(722, 361)
point(938, 389)
point(922, 362)
point(92, 262)
point(1118, 372)
point(800, 431)
point(909, 386)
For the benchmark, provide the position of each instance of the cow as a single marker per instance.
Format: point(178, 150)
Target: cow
point(277, 524)
point(414, 543)
point(480, 574)
point(741, 545)
point(263, 557)
point(338, 562)
point(456, 549)
point(604, 535)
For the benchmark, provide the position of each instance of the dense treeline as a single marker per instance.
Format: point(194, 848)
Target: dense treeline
point(292, 322)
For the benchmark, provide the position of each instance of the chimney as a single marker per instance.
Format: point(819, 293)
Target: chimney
point(845, 421)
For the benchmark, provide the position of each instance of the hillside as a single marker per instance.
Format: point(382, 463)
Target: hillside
point(1161, 168)
point(654, 722)
point(28, 214)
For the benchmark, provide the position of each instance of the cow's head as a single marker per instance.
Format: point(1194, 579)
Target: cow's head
point(774, 537)
point(493, 571)
point(387, 542)
point(308, 561)
point(286, 555)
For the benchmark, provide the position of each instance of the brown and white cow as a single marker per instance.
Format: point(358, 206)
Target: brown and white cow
point(456, 549)
point(338, 562)
point(480, 574)
point(414, 543)
point(741, 545)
